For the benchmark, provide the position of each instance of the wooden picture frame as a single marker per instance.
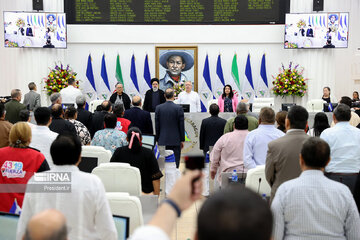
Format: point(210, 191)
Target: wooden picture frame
point(189, 72)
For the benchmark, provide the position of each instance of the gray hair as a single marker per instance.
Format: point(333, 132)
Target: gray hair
point(15, 93)
point(241, 108)
point(54, 97)
point(80, 100)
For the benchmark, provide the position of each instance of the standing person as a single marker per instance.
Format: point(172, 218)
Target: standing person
point(321, 123)
point(211, 129)
point(190, 97)
point(32, 98)
point(282, 159)
point(280, 120)
point(138, 117)
point(169, 124)
point(83, 115)
point(120, 97)
point(241, 109)
point(70, 93)
point(153, 96)
point(326, 96)
point(13, 107)
point(227, 101)
point(122, 123)
point(5, 127)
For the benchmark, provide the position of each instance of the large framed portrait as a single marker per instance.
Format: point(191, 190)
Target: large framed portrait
point(175, 65)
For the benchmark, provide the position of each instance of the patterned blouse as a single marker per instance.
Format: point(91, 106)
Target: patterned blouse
point(110, 139)
point(228, 105)
point(81, 131)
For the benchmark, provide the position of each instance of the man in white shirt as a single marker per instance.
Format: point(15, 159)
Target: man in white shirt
point(82, 198)
point(190, 97)
point(256, 142)
point(42, 136)
point(313, 206)
point(70, 93)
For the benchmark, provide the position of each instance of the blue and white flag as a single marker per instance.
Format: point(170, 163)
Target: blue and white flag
point(219, 83)
point(89, 86)
point(206, 89)
point(133, 74)
point(156, 152)
point(262, 89)
point(248, 89)
point(330, 107)
point(103, 87)
point(147, 75)
point(15, 208)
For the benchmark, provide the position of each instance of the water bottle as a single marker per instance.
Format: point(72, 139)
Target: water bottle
point(264, 197)
point(234, 176)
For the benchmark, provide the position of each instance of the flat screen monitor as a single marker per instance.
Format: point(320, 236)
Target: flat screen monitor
point(329, 109)
point(185, 107)
point(316, 30)
point(122, 226)
point(286, 106)
point(34, 30)
point(148, 141)
point(8, 225)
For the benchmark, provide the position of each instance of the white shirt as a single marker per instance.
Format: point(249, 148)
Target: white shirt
point(256, 144)
point(314, 207)
point(41, 139)
point(69, 94)
point(86, 208)
point(149, 232)
point(192, 99)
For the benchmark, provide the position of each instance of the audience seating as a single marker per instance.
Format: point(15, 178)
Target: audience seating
point(92, 156)
point(119, 177)
point(253, 180)
point(125, 205)
point(259, 103)
point(315, 105)
point(93, 104)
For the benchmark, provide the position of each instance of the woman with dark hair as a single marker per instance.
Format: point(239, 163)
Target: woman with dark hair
point(320, 124)
point(355, 96)
point(142, 158)
point(326, 96)
point(280, 120)
point(227, 101)
point(83, 133)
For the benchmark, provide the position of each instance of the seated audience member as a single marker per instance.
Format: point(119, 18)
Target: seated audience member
point(42, 136)
point(282, 159)
point(13, 107)
point(81, 130)
point(138, 117)
point(98, 117)
point(5, 127)
point(48, 224)
point(18, 163)
point(232, 213)
point(227, 101)
point(153, 96)
point(321, 123)
point(109, 137)
point(69, 94)
point(355, 96)
point(326, 96)
point(55, 98)
point(211, 129)
point(227, 153)
point(241, 109)
point(58, 123)
point(122, 123)
point(355, 119)
point(256, 142)
point(85, 207)
point(120, 97)
point(313, 206)
point(83, 115)
point(343, 140)
point(142, 158)
point(280, 120)
point(32, 98)
point(190, 97)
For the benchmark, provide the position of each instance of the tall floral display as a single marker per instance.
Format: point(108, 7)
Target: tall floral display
point(58, 78)
point(290, 82)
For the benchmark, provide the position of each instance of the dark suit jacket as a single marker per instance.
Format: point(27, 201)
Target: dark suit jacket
point(169, 124)
point(148, 100)
point(282, 160)
point(141, 119)
point(97, 122)
point(125, 98)
point(32, 100)
point(212, 128)
point(62, 126)
point(13, 109)
point(85, 117)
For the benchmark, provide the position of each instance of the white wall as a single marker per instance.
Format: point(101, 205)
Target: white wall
point(337, 68)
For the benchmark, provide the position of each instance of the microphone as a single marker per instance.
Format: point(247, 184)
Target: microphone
point(259, 185)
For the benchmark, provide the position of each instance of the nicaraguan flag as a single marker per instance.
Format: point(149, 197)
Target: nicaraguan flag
point(89, 86)
point(219, 83)
point(248, 85)
point(156, 152)
point(15, 209)
point(103, 89)
point(147, 75)
point(330, 107)
point(206, 89)
point(263, 85)
point(133, 74)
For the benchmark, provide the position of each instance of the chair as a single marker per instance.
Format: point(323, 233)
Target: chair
point(93, 104)
point(259, 103)
point(119, 177)
point(256, 180)
point(92, 156)
point(125, 205)
point(315, 105)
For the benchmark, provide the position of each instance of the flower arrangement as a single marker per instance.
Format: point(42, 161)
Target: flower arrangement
point(20, 22)
point(290, 82)
point(178, 88)
point(301, 23)
point(58, 78)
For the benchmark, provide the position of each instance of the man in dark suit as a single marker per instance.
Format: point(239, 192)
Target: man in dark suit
point(83, 115)
point(32, 98)
point(98, 118)
point(212, 128)
point(169, 124)
point(154, 96)
point(119, 97)
point(59, 124)
point(13, 107)
point(282, 160)
point(138, 117)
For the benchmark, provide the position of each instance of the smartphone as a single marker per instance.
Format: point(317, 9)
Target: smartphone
point(195, 162)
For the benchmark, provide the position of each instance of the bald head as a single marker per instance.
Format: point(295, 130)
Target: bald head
point(47, 225)
point(136, 101)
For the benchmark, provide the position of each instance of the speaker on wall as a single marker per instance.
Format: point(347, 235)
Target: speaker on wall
point(318, 5)
point(38, 5)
